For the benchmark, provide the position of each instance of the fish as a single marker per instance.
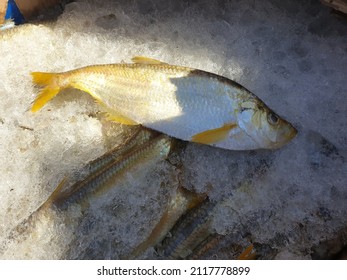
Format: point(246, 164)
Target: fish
point(185, 103)
point(182, 201)
point(191, 229)
point(102, 175)
point(105, 172)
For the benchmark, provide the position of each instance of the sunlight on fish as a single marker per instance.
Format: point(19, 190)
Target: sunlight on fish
point(185, 103)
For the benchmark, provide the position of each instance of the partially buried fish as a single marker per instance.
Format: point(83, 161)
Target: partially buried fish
point(182, 102)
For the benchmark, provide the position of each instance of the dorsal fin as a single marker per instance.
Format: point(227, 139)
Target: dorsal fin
point(146, 60)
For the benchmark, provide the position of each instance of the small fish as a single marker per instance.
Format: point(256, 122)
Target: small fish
point(185, 103)
point(107, 170)
point(143, 146)
point(182, 201)
point(192, 229)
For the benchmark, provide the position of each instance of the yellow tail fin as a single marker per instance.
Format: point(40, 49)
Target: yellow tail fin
point(51, 88)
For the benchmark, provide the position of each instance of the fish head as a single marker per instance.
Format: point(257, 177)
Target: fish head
point(264, 127)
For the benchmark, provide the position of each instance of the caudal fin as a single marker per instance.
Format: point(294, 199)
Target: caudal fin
point(50, 88)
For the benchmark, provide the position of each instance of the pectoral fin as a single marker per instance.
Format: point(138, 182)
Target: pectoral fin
point(146, 60)
point(213, 135)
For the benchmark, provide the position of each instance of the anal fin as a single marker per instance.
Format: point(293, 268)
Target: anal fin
point(114, 116)
point(118, 118)
point(213, 135)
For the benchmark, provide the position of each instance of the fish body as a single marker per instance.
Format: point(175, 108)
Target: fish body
point(190, 230)
point(106, 170)
point(182, 201)
point(182, 102)
point(104, 173)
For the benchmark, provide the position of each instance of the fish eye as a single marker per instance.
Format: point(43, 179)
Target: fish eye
point(272, 118)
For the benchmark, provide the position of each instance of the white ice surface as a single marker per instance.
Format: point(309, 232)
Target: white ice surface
point(292, 54)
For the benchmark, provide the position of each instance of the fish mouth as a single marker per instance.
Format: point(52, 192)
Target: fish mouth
point(286, 137)
point(292, 133)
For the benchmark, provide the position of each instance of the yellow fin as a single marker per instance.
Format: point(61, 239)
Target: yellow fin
point(45, 95)
point(114, 116)
point(82, 87)
point(146, 60)
point(120, 119)
point(50, 90)
point(213, 135)
point(41, 78)
point(248, 254)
